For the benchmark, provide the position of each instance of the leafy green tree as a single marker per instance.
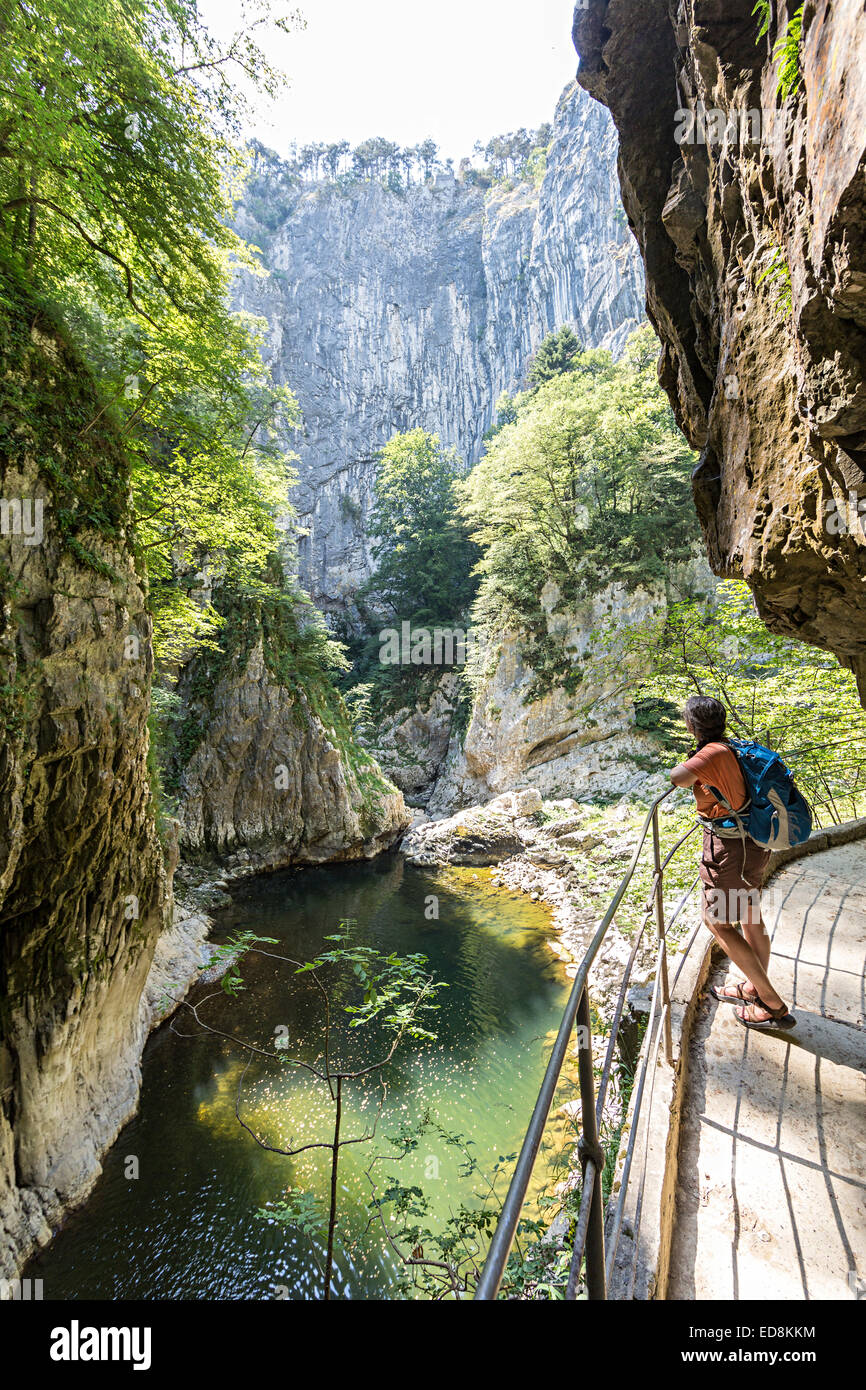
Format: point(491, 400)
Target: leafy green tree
point(790, 696)
point(558, 353)
point(394, 997)
point(423, 576)
point(589, 485)
point(423, 557)
point(119, 130)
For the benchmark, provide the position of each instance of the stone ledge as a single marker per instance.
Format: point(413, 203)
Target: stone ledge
point(641, 1267)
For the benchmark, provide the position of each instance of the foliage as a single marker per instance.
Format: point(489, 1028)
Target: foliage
point(443, 1261)
point(118, 126)
point(299, 654)
point(788, 695)
point(422, 554)
point(763, 11)
point(395, 990)
point(519, 154)
point(227, 957)
point(559, 353)
point(588, 486)
point(394, 993)
point(787, 53)
point(777, 274)
point(423, 559)
point(787, 49)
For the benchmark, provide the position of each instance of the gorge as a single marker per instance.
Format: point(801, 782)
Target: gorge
point(393, 310)
point(188, 708)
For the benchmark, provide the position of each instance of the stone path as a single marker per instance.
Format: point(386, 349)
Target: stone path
point(771, 1192)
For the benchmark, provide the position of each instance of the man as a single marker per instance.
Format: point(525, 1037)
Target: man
point(732, 867)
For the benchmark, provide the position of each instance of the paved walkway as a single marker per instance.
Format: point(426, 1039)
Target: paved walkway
point(771, 1193)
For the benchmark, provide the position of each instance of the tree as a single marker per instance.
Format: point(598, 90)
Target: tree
point(558, 353)
point(363, 156)
point(589, 485)
point(391, 161)
point(334, 156)
point(407, 160)
point(119, 129)
point(394, 998)
point(312, 157)
point(420, 546)
point(373, 1007)
point(428, 152)
point(780, 692)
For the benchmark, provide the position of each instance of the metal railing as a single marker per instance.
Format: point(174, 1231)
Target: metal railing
point(592, 1242)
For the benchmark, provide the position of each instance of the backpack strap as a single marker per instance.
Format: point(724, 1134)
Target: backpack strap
point(735, 816)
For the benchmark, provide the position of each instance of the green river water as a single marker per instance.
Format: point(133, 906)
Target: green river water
point(185, 1228)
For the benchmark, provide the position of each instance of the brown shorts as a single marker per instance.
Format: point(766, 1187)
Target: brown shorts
point(730, 887)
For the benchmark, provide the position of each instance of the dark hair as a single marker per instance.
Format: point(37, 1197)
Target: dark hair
point(707, 717)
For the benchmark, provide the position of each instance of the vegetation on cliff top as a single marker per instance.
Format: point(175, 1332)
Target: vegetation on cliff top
point(585, 483)
point(517, 155)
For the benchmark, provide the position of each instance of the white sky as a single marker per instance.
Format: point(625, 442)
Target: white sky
point(456, 70)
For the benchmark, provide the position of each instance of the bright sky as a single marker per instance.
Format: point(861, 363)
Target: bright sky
point(456, 70)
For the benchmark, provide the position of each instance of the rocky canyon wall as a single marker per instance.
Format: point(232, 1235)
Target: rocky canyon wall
point(273, 782)
point(82, 886)
point(393, 310)
point(750, 212)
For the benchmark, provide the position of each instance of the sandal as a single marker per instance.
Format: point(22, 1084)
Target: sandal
point(738, 998)
point(779, 1018)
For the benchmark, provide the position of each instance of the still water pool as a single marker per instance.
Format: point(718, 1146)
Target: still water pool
point(185, 1227)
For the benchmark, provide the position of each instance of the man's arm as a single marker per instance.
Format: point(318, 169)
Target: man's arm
point(683, 775)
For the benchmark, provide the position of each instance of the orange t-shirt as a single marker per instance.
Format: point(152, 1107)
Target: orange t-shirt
point(716, 765)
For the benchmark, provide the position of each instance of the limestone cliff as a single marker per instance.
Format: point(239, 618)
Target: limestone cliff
point(393, 310)
point(275, 781)
point(562, 744)
point(750, 212)
point(81, 879)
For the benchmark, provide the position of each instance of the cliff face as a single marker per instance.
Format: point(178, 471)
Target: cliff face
point(753, 234)
point(271, 784)
point(390, 311)
point(81, 881)
point(564, 745)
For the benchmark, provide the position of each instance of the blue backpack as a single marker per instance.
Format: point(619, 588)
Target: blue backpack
point(777, 815)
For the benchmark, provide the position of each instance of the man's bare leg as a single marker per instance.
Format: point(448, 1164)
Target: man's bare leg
point(751, 959)
point(757, 936)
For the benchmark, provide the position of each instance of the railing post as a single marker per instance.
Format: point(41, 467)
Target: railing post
point(660, 923)
point(591, 1149)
